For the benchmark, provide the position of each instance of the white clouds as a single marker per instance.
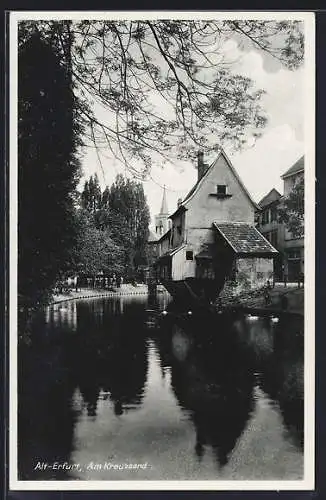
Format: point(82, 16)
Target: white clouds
point(283, 100)
point(261, 166)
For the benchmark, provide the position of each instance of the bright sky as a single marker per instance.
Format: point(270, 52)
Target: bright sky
point(259, 166)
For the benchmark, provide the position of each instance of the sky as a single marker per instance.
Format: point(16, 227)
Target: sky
point(259, 166)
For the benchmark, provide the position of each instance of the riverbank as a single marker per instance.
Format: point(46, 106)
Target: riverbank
point(87, 293)
point(250, 301)
point(289, 299)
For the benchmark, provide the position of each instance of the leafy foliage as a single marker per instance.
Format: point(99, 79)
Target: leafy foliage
point(291, 210)
point(119, 217)
point(166, 85)
point(97, 252)
point(91, 195)
point(130, 218)
point(48, 138)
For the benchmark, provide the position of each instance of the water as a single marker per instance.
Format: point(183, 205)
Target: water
point(104, 397)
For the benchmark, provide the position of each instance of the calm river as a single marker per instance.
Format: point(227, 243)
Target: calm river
point(104, 397)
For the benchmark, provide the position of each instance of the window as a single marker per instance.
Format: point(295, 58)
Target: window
point(221, 189)
point(189, 255)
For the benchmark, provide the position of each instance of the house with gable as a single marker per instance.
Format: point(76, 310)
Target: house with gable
point(213, 246)
point(290, 262)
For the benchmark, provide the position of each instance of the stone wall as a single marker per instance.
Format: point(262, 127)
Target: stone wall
point(252, 273)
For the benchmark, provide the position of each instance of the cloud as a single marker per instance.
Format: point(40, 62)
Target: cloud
point(283, 100)
point(261, 166)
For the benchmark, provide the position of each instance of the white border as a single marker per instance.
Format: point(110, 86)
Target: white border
point(309, 466)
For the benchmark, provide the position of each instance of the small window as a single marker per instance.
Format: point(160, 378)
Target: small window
point(189, 255)
point(221, 189)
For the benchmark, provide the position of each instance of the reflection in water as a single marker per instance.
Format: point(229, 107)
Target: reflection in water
point(282, 376)
point(111, 358)
point(216, 388)
point(186, 398)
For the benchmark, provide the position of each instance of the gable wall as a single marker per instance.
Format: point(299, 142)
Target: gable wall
point(203, 209)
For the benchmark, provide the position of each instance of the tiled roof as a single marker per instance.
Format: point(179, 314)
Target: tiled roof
point(297, 167)
point(269, 198)
point(244, 238)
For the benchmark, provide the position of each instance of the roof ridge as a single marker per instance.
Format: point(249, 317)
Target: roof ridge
point(233, 222)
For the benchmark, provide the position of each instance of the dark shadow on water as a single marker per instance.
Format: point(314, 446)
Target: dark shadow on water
point(282, 376)
point(105, 351)
point(212, 381)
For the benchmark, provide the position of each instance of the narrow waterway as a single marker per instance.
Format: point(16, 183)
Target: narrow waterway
point(104, 397)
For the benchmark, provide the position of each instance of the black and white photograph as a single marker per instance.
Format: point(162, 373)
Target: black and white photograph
point(161, 186)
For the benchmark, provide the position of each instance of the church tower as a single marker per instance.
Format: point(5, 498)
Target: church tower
point(161, 220)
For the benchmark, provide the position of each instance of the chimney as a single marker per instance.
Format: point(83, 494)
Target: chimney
point(201, 166)
point(179, 202)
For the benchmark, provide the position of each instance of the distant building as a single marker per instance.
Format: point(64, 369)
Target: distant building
point(152, 247)
point(291, 250)
point(213, 244)
point(293, 247)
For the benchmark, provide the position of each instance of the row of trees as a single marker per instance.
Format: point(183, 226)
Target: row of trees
point(114, 227)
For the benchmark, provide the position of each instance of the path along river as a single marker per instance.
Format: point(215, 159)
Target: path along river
point(103, 397)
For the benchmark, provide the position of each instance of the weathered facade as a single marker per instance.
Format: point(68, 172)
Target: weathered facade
point(197, 258)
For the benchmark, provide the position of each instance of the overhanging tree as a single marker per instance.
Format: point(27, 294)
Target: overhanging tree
point(165, 85)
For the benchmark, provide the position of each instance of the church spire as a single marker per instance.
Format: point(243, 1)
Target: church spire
point(162, 219)
point(164, 206)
